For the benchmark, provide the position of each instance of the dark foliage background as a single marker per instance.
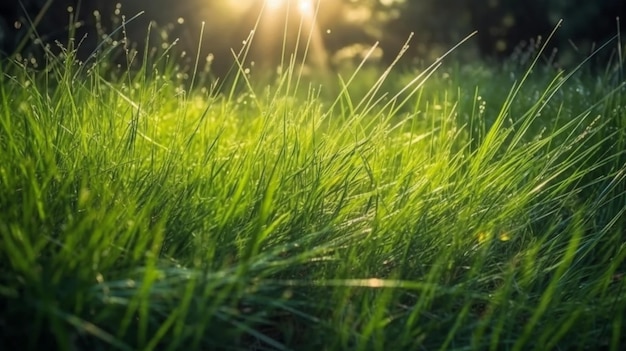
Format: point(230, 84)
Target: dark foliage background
point(505, 27)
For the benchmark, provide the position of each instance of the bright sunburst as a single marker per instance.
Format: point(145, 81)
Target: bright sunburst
point(305, 7)
point(270, 35)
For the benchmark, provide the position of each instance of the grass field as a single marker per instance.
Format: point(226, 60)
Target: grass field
point(459, 207)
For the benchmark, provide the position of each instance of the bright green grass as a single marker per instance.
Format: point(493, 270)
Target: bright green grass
point(476, 209)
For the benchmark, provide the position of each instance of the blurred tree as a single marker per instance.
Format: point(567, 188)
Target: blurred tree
point(587, 24)
point(437, 25)
point(504, 24)
point(51, 20)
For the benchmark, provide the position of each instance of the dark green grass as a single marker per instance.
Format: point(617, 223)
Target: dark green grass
point(468, 208)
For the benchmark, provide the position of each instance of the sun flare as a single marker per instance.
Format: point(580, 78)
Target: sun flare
point(305, 7)
point(279, 22)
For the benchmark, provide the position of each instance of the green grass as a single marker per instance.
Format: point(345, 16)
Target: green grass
point(470, 208)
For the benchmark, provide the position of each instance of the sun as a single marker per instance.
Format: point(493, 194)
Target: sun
point(305, 7)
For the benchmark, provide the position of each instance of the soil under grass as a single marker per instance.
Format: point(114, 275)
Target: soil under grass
point(468, 208)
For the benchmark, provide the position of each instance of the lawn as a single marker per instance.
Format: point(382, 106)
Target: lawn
point(452, 207)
